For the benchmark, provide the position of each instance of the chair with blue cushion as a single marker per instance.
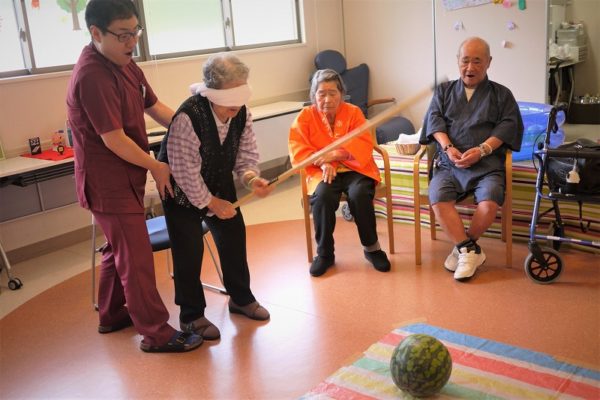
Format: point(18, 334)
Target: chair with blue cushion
point(159, 240)
point(356, 80)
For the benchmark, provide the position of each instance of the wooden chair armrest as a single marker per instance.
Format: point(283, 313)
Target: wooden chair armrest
point(416, 170)
point(383, 100)
point(419, 155)
point(386, 164)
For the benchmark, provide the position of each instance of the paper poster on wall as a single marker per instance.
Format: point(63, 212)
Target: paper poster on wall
point(450, 5)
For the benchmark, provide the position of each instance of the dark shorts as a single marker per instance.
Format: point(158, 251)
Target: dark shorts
point(446, 187)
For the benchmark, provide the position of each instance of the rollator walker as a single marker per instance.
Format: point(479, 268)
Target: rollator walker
point(543, 264)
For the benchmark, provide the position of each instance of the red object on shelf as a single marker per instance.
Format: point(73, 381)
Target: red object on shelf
point(51, 154)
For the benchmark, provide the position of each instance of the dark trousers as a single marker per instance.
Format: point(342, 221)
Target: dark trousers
point(127, 277)
point(360, 191)
point(187, 246)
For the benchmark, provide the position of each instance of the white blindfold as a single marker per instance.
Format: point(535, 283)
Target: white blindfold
point(234, 97)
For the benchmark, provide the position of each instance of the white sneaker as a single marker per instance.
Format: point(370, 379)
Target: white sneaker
point(452, 260)
point(468, 261)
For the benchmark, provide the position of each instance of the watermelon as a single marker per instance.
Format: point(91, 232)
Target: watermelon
point(420, 365)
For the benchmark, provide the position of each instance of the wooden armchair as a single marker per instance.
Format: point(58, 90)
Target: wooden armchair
point(421, 197)
point(383, 189)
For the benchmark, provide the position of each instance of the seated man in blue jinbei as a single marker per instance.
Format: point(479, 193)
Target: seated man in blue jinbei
point(473, 120)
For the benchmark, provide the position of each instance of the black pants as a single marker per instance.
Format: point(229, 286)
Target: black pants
point(360, 191)
point(187, 246)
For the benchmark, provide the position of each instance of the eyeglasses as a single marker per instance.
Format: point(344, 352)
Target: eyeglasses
point(127, 36)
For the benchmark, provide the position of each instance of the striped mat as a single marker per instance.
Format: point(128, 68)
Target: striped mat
point(481, 369)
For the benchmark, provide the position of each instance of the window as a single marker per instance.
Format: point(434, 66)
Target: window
point(57, 31)
point(280, 19)
point(183, 26)
point(12, 59)
point(47, 35)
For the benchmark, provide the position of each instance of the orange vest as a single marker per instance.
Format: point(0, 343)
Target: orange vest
point(310, 132)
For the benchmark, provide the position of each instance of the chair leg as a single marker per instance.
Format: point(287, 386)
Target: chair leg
point(306, 212)
point(417, 222)
point(507, 228)
point(390, 223)
point(432, 223)
point(308, 230)
point(169, 269)
point(94, 251)
point(217, 267)
point(506, 232)
point(509, 245)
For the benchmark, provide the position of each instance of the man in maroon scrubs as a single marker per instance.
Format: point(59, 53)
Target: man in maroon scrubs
point(106, 99)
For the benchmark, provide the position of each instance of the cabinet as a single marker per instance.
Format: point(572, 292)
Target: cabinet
point(29, 186)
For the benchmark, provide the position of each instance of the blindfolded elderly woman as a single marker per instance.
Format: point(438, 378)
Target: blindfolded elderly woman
point(210, 137)
point(349, 169)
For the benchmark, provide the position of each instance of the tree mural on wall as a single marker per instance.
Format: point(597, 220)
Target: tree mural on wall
point(73, 7)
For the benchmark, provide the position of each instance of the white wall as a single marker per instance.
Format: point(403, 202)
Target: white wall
point(394, 38)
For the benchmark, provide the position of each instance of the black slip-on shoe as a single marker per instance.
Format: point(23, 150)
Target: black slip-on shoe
point(379, 260)
point(320, 265)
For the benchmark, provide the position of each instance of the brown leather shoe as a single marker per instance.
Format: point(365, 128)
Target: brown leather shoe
point(253, 310)
point(203, 327)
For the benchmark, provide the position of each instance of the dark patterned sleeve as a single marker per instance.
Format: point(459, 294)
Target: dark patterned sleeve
point(434, 120)
point(510, 126)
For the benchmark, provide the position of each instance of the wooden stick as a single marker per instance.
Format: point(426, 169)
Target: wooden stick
point(373, 122)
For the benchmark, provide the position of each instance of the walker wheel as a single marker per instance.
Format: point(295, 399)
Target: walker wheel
point(546, 270)
point(15, 284)
point(346, 212)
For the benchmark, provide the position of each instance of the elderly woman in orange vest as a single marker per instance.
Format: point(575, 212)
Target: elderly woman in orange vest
point(349, 169)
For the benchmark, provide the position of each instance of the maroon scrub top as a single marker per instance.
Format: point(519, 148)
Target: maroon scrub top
point(103, 97)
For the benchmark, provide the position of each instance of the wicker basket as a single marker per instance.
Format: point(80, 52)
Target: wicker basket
point(407, 148)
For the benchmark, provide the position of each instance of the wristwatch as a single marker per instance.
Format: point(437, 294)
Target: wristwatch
point(446, 147)
point(482, 150)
